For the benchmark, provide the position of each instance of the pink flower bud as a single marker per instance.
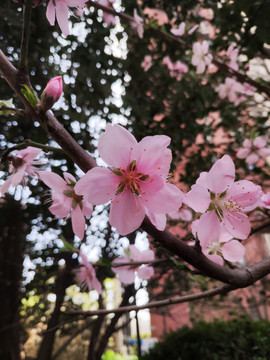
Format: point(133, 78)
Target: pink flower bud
point(51, 93)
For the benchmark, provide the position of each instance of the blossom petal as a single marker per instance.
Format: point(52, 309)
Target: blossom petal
point(17, 177)
point(237, 224)
point(198, 198)
point(233, 251)
point(126, 213)
point(215, 258)
point(158, 220)
point(68, 177)
point(61, 205)
point(252, 158)
point(242, 153)
point(29, 154)
point(221, 175)
point(208, 229)
point(87, 208)
point(145, 272)
point(245, 193)
point(50, 13)
point(166, 200)
point(78, 222)
point(115, 145)
point(75, 3)
point(62, 16)
point(259, 142)
point(98, 186)
point(53, 181)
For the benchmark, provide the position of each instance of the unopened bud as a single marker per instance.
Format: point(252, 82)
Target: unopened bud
point(51, 93)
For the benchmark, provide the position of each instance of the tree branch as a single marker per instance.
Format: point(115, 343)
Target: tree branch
point(184, 44)
point(177, 300)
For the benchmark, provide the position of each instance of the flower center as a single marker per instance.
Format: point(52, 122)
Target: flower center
point(219, 203)
point(214, 248)
point(130, 179)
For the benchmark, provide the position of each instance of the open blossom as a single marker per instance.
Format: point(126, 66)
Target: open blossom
point(138, 21)
point(59, 9)
point(224, 247)
point(182, 29)
point(127, 273)
point(22, 164)
point(135, 181)
point(232, 55)
point(222, 201)
point(234, 91)
point(253, 150)
point(66, 201)
point(265, 200)
point(147, 62)
point(109, 19)
point(86, 275)
point(201, 58)
point(51, 93)
point(176, 69)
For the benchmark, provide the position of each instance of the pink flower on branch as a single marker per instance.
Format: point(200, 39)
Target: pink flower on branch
point(222, 201)
point(176, 69)
point(265, 200)
point(23, 163)
point(234, 91)
point(224, 247)
point(59, 9)
point(86, 275)
point(126, 273)
point(109, 19)
point(135, 181)
point(147, 62)
point(201, 57)
point(51, 93)
point(66, 201)
point(138, 22)
point(253, 150)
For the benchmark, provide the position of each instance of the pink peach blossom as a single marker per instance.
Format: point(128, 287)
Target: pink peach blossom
point(265, 200)
point(135, 181)
point(22, 164)
point(51, 93)
point(222, 201)
point(59, 9)
point(109, 19)
point(234, 91)
point(176, 69)
point(232, 55)
point(126, 273)
point(253, 150)
point(201, 57)
point(66, 201)
point(86, 275)
point(147, 62)
point(221, 248)
point(138, 21)
point(180, 30)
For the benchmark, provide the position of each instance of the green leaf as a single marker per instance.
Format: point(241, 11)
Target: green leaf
point(179, 265)
point(7, 103)
point(30, 95)
point(104, 262)
point(67, 246)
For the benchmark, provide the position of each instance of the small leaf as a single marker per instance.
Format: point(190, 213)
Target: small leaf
point(7, 103)
point(67, 246)
point(104, 262)
point(30, 95)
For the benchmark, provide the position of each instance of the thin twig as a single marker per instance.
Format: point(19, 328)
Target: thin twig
point(27, 9)
point(27, 143)
point(177, 300)
point(16, 111)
